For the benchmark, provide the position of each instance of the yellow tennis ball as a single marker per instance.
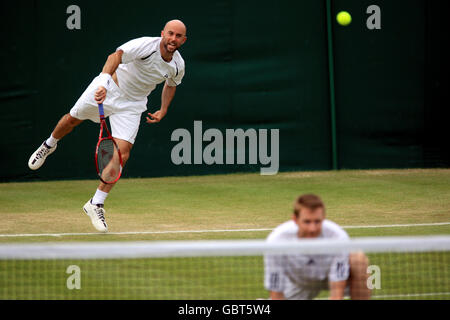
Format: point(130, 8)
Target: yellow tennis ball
point(344, 18)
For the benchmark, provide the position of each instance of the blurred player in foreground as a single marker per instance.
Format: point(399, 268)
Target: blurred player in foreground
point(128, 77)
point(301, 276)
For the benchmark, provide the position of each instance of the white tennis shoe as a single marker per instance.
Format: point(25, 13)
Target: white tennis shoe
point(37, 159)
point(97, 214)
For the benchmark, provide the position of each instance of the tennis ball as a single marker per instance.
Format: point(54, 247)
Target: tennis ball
point(344, 18)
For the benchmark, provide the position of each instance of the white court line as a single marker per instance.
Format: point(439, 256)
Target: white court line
point(408, 295)
point(411, 295)
point(205, 231)
point(399, 225)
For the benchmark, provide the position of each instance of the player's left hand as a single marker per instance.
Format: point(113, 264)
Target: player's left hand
point(155, 117)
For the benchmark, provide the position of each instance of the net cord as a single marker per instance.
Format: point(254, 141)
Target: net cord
point(153, 249)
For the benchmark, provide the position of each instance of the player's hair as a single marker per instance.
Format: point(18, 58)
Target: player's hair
point(310, 201)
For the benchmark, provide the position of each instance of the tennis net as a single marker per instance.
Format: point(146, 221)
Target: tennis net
point(397, 268)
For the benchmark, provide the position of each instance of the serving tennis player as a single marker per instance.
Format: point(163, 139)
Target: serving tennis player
point(129, 75)
point(301, 276)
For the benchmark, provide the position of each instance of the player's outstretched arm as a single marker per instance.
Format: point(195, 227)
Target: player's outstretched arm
point(111, 65)
point(337, 289)
point(166, 98)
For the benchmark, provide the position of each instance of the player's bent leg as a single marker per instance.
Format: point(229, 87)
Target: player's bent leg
point(125, 149)
point(94, 208)
point(64, 126)
point(358, 276)
point(38, 157)
point(97, 214)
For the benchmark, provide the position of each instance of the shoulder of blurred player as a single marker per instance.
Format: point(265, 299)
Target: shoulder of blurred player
point(331, 229)
point(285, 231)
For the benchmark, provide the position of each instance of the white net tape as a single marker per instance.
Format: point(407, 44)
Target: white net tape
point(112, 250)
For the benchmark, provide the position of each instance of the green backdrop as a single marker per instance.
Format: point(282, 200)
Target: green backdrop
point(249, 64)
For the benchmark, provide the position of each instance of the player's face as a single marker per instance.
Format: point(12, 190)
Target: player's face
point(309, 222)
point(173, 37)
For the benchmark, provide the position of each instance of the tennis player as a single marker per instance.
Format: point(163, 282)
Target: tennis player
point(301, 276)
point(129, 75)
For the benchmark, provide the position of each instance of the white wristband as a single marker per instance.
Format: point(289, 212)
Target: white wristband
point(104, 80)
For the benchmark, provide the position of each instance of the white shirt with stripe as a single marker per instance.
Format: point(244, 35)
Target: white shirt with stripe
point(143, 68)
point(289, 273)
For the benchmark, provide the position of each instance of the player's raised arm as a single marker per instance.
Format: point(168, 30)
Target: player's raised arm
point(111, 65)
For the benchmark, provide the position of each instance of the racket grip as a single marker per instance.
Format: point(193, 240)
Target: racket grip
point(100, 110)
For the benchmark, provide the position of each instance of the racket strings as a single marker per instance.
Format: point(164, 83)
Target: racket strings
point(108, 161)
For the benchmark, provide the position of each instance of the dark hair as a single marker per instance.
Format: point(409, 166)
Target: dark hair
point(310, 201)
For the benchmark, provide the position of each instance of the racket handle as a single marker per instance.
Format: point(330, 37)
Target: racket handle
point(100, 110)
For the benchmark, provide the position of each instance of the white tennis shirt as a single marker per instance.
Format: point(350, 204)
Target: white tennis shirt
point(143, 68)
point(283, 271)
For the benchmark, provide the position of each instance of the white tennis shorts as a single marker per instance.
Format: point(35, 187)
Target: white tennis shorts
point(124, 114)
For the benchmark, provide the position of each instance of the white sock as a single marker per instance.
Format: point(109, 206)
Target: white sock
point(99, 197)
point(52, 141)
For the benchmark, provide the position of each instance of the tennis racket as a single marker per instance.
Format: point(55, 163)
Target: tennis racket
point(108, 159)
